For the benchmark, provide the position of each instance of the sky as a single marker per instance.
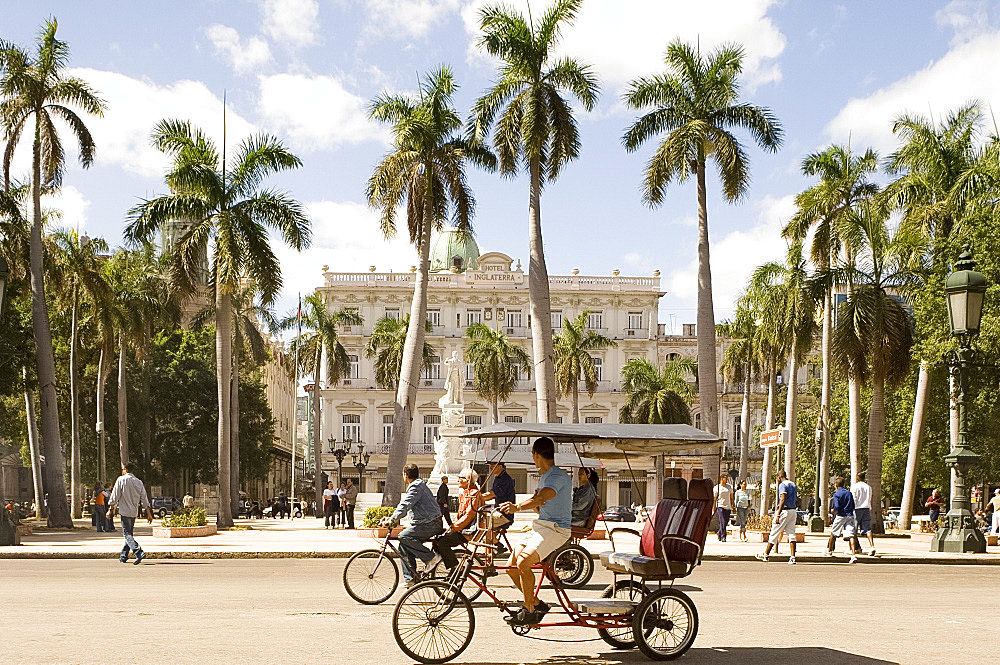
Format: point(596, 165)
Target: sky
point(306, 70)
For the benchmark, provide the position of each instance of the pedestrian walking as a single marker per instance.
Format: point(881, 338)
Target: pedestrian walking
point(100, 508)
point(723, 507)
point(994, 503)
point(442, 499)
point(129, 494)
point(933, 505)
point(350, 500)
point(109, 523)
point(742, 501)
point(342, 514)
point(843, 510)
point(784, 517)
point(331, 506)
point(862, 493)
point(282, 506)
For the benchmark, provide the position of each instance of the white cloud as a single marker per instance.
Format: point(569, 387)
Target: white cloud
point(242, 54)
point(967, 18)
point(734, 257)
point(316, 112)
point(293, 23)
point(411, 17)
point(938, 88)
point(623, 40)
point(135, 106)
point(72, 206)
point(346, 237)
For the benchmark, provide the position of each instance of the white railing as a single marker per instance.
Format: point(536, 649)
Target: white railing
point(514, 278)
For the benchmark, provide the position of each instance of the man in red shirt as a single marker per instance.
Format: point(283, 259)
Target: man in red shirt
point(470, 500)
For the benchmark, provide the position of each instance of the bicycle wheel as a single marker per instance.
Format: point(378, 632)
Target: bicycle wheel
point(370, 577)
point(665, 624)
point(469, 588)
point(433, 623)
point(621, 638)
point(574, 566)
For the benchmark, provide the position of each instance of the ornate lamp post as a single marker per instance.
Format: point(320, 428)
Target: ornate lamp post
point(4, 272)
point(965, 289)
point(360, 460)
point(340, 454)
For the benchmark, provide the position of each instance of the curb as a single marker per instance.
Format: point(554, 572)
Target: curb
point(976, 560)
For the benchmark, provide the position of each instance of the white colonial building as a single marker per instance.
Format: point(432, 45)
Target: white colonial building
point(467, 287)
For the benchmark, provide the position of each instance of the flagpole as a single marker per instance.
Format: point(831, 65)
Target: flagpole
point(295, 394)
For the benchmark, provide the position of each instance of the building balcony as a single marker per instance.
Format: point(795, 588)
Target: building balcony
point(419, 448)
point(633, 333)
point(490, 280)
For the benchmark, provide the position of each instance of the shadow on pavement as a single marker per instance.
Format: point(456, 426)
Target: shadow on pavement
point(741, 655)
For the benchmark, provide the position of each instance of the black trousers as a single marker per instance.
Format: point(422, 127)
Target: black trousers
point(445, 513)
point(443, 546)
point(349, 511)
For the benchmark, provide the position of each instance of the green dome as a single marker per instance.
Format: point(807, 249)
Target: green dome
point(451, 248)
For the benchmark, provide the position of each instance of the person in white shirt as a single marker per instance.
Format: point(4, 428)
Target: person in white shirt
point(342, 498)
point(723, 506)
point(331, 506)
point(862, 493)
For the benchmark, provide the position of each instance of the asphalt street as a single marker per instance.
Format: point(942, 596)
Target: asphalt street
point(296, 611)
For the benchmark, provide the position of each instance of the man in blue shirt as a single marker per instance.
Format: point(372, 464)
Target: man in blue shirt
point(784, 516)
point(503, 492)
point(420, 507)
point(554, 502)
point(844, 524)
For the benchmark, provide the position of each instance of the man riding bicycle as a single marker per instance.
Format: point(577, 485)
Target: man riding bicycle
point(421, 508)
point(554, 502)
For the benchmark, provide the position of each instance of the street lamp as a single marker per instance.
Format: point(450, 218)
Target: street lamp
point(965, 289)
point(340, 454)
point(360, 460)
point(4, 272)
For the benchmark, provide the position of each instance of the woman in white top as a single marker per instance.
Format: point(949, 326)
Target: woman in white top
point(331, 506)
point(723, 506)
point(742, 509)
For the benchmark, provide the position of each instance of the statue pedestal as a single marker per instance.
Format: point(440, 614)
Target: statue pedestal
point(448, 448)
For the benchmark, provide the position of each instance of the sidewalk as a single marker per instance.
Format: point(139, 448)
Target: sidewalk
point(306, 538)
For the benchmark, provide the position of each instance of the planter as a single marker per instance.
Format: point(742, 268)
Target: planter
point(800, 536)
point(378, 532)
point(24, 529)
point(184, 531)
point(991, 540)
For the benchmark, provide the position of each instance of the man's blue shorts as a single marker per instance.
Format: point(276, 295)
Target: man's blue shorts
point(863, 516)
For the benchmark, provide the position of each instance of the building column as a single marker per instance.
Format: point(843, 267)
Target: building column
point(612, 483)
point(651, 486)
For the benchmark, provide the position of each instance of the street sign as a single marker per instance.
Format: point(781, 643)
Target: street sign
point(774, 437)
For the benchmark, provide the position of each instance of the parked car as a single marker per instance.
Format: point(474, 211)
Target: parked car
point(891, 518)
point(294, 505)
point(617, 514)
point(164, 504)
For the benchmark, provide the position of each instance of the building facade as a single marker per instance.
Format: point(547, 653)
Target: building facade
point(466, 287)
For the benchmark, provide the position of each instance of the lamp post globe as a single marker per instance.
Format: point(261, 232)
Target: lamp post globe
point(965, 289)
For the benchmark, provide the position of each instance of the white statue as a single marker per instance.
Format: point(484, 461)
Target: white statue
point(453, 381)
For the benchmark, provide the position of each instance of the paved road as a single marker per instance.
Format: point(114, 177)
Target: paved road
point(296, 611)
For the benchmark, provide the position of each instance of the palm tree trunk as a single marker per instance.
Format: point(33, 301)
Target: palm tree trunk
point(916, 436)
point(791, 413)
point(409, 372)
point(576, 401)
point(745, 426)
point(495, 412)
point(33, 447)
point(824, 408)
point(55, 468)
point(103, 371)
point(234, 441)
point(317, 442)
point(708, 398)
point(145, 425)
point(765, 473)
point(74, 410)
point(122, 403)
point(876, 448)
point(541, 310)
point(854, 433)
point(224, 361)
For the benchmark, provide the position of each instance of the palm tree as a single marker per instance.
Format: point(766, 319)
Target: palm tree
point(740, 364)
point(573, 346)
point(873, 337)
point(496, 364)
point(386, 344)
point(79, 263)
point(426, 170)
point(657, 395)
point(321, 350)
point(696, 101)
point(35, 88)
point(229, 206)
point(938, 168)
point(843, 184)
point(535, 129)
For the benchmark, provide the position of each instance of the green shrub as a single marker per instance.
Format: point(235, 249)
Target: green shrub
point(187, 517)
point(373, 515)
point(760, 522)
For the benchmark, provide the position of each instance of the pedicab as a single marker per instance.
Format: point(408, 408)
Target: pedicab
point(434, 621)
